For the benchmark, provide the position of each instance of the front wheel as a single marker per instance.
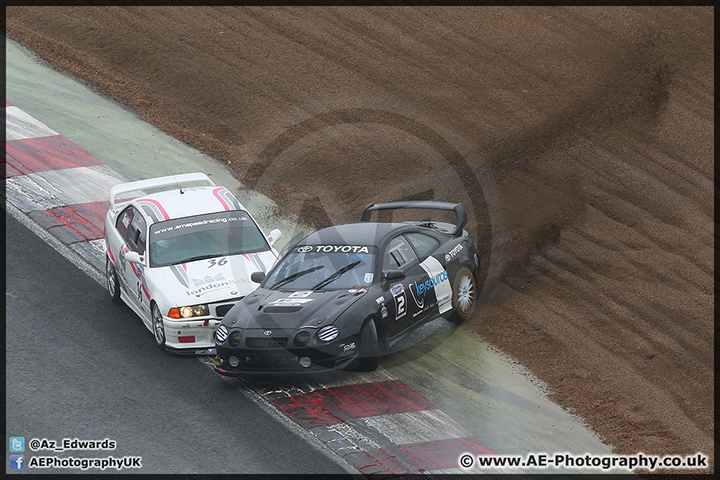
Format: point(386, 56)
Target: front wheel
point(158, 327)
point(369, 346)
point(111, 278)
point(464, 295)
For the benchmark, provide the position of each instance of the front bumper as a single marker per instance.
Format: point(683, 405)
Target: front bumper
point(278, 361)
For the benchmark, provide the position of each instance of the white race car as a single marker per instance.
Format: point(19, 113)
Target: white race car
point(182, 258)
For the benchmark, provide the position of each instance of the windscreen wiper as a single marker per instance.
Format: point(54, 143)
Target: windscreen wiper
point(336, 275)
point(296, 275)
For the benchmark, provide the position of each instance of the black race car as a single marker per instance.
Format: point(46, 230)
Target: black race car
point(346, 294)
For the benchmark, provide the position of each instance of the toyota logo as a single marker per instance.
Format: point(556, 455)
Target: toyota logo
point(267, 333)
point(305, 249)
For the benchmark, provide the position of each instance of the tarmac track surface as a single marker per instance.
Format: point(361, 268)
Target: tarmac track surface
point(82, 370)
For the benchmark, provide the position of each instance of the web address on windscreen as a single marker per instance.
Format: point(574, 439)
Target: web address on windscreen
point(639, 461)
point(201, 222)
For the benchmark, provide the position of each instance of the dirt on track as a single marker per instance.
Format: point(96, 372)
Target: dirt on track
point(579, 138)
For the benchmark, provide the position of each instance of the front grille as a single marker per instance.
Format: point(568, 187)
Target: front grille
point(272, 342)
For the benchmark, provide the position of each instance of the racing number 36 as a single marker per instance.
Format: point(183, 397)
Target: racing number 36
point(217, 262)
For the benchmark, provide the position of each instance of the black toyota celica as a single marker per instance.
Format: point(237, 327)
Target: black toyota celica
point(344, 295)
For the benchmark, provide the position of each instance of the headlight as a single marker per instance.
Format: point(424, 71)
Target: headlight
point(302, 338)
point(328, 333)
point(190, 311)
point(221, 334)
point(235, 338)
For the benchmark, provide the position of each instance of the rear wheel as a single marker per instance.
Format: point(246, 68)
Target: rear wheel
point(158, 327)
point(368, 348)
point(464, 295)
point(111, 278)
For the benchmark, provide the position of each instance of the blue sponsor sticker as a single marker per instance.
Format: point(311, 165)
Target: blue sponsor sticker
point(384, 311)
point(369, 277)
point(397, 289)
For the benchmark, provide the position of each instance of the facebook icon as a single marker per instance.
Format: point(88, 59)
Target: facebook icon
point(17, 462)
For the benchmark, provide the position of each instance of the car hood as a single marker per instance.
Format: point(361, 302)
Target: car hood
point(267, 309)
point(212, 280)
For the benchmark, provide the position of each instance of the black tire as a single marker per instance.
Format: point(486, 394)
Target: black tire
point(464, 295)
point(368, 348)
point(112, 282)
point(158, 327)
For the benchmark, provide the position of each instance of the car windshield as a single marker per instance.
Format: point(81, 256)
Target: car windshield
point(183, 240)
point(324, 267)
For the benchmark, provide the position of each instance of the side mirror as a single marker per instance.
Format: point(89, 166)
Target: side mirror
point(134, 257)
point(394, 275)
point(274, 236)
point(257, 277)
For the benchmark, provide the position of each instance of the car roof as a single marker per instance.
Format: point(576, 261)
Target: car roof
point(362, 233)
point(187, 202)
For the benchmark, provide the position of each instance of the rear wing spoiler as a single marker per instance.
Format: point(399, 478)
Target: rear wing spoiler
point(184, 179)
point(454, 207)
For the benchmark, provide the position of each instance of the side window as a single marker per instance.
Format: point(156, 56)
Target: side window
point(123, 221)
point(398, 254)
point(424, 244)
point(137, 234)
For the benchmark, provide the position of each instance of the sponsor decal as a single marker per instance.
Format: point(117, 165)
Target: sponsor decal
point(428, 307)
point(453, 253)
point(300, 294)
point(439, 282)
point(199, 223)
point(267, 333)
point(369, 277)
point(397, 289)
point(333, 249)
point(380, 300)
point(210, 287)
point(357, 290)
point(422, 288)
point(476, 259)
point(384, 311)
point(295, 301)
point(347, 347)
point(208, 279)
point(285, 304)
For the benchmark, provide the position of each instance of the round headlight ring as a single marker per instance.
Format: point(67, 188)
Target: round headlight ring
point(235, 338)
point(302, 338)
